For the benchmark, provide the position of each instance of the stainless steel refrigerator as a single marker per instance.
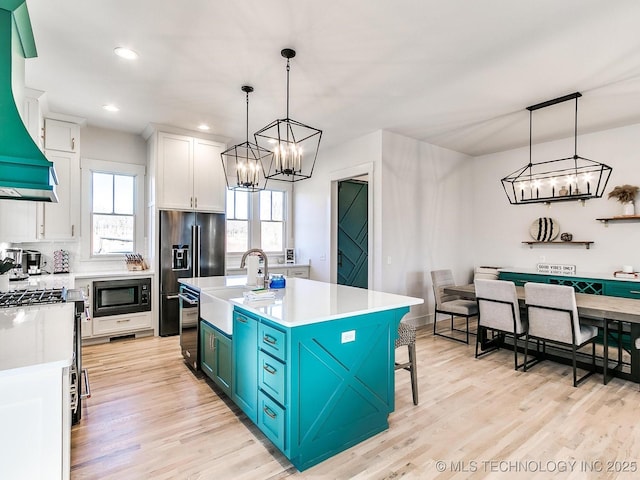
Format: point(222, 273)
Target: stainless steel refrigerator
point(191, 245)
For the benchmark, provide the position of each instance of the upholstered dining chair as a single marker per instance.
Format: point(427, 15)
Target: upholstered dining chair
point(553, 316)
point(451, 305)
point(407, 336)
point(498, 311)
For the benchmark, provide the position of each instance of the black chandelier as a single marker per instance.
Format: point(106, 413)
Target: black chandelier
point(294, 145)
point(570, 178)
point(243, 163)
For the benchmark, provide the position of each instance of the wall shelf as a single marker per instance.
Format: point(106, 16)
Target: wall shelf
point(531, 243)
point(621, 218)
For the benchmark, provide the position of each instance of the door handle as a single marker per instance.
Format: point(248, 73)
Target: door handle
point(339, 258)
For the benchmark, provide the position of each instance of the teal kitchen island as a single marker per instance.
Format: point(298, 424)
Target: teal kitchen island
point(313, 367)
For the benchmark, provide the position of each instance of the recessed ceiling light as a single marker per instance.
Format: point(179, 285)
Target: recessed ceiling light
point(111, 108)
point(125, 53)
point(203, 127)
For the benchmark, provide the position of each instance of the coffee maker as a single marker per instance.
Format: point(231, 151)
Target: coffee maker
point(31, 262)
point(16, 272)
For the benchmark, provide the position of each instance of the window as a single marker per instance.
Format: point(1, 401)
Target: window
point(272, 221)
point(112, 209)
point(237, 221)
point(112, 218)
point(256, 221)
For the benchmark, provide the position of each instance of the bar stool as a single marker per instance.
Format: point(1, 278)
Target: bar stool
point(407, 336)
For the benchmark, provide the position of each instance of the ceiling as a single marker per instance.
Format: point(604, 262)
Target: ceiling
point(454, 73)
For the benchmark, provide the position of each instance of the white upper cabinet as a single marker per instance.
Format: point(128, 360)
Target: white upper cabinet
point(62, 136)
point(61, 221)
point(189, 174)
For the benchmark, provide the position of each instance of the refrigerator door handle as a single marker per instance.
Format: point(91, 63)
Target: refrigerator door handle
point(196, 249)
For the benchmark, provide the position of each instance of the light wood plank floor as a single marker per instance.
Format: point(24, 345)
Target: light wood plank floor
point(149, 417)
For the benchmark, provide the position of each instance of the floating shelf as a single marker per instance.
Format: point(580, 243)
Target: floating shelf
point(531, 243)
point(621, 218)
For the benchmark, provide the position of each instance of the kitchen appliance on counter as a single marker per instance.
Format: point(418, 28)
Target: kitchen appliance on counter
point(192, 244)
point(31, 262)
point(41, 299)
point(15, 254)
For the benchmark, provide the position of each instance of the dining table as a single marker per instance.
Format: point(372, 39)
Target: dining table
point(601, 310)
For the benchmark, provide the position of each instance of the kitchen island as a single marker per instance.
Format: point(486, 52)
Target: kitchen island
point(313, 367)
point(36, 352)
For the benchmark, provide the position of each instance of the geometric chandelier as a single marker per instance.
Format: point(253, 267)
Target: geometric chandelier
point(294, 144)
point(243, 163)
point(560, 180)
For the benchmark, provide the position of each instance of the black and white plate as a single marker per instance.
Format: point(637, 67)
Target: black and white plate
point(544, 229)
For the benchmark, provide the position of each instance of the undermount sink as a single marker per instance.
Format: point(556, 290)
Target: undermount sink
point(216, 309)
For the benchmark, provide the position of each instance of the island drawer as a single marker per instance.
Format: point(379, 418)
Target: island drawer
point(622, 289)
point(271, 420)
point(271, 376)
point(272, 340)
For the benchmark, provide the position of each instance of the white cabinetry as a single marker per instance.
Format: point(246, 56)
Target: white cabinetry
point(189, 174)
point(289, 271)
point(61, 221)
point(61, 136)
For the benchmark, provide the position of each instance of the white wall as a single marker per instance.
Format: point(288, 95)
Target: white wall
point(421, 195)
point(499, 228)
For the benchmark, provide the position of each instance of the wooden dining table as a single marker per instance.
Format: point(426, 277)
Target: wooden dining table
point(601, 310)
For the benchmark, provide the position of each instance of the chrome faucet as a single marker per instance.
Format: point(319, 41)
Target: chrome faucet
point(257, 251)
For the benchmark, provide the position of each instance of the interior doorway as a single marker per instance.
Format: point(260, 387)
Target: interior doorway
point(353, 232)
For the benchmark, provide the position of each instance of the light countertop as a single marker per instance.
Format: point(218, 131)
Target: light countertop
point(214, 283)
point(599, 276)
point(36, 337)
point(67, 280)
point(304, 302)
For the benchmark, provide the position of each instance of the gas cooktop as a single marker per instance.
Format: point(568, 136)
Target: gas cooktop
point(21, 298)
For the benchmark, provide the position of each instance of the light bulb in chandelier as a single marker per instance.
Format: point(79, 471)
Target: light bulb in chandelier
point(288, 159)
point(248, 174)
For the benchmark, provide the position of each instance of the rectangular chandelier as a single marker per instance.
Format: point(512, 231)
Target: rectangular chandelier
point(563, 179)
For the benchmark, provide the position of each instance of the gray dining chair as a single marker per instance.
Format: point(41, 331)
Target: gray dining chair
point(553, 316)
point(451, 305)
point(407, 337)
point(498, 311)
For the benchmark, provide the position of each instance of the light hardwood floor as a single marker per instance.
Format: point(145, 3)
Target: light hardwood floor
point(149, 417)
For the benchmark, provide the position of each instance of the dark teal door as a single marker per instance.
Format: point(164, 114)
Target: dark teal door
point(353, 238)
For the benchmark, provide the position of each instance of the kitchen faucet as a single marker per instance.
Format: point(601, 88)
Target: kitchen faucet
point(257, 251)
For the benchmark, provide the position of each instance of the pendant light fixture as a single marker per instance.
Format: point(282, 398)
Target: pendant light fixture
point(570, 178)
point(294, 144)
point(242, 163)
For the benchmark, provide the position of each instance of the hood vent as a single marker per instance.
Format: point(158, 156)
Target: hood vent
point(25, 173)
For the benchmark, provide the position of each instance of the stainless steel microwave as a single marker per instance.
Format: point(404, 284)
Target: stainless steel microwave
point(117, 297)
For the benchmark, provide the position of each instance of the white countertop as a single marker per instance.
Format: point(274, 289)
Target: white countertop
point(35, 282)
point(304, 302)
point(599, 276)
point(36, 337)
point(215, 283)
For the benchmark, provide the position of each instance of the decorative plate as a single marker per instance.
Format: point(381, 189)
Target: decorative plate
point(544, 229)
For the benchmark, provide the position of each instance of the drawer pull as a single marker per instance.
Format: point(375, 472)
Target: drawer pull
point(270, 413)
point(123, 320)
point(241, 319)
point(269, 369)
point(270, 340)
point(634, 291)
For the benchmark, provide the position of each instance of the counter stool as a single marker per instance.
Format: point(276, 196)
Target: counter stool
point(407, 336)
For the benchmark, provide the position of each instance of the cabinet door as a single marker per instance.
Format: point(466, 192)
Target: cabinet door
point(208, 176)
point(245, 364)
point(222, 370)
point(61, 220)
point(207, 355)
point(61, 136)
point(18, 221)
point(175, 172)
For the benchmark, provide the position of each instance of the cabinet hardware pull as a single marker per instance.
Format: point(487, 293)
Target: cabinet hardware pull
point(196, 202)
point(634, 291)
point(123, 320)
point(73, 144)
point(269, 339)
point(241, 319)
point(73, 230)
point(269, 369)
point(269, 412)
point(191, 202)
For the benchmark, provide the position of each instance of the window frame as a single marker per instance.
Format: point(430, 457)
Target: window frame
point(233, 258)
point(88, 167)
